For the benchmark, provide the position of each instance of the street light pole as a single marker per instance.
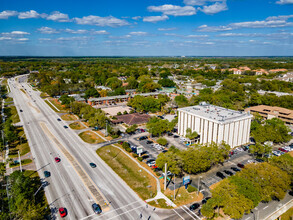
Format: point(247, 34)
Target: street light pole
point(174, 186)
point(198, 185)
point(19, 162)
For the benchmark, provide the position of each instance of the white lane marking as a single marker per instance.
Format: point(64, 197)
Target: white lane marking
point(178, 214)
point(247, 218)
point(192, 212)
point(231, 162)
point(119, 214)
point(187, 212)
point(112, 210)
point(265, 207)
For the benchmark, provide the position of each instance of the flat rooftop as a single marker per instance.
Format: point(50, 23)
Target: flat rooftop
point(215, 113)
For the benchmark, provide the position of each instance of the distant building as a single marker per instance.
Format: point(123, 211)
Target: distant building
point(269, 112)
point(215, 124)
point(132, 119)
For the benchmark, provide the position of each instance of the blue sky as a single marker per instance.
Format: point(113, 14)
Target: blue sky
point(146, 28)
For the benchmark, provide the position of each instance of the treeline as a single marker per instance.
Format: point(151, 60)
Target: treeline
point(195, 159)
point(242, 192)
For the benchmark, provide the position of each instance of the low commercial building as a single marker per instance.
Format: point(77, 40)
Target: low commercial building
point(215, 124)
point(269, 112)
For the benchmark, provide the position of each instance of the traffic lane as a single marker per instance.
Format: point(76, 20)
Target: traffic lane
point(76, 141)
point(65, 188)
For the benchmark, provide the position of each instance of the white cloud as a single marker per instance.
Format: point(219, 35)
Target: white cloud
point(138, 33)
point(136, 18)
point(171, 34)
point(101, 32)
point(196, 36)
point(22, 39)
point(199, 2)
point(120, 37)
point(270, 22)
point(5, 38)
point(155, 19)
point(174, 10)
point(30, 14)
point(58, 16)
point(284, 2)
point(101, 21)
point(75, 31)
point(15, 33)
point(84, 38)
point(7, 14)
point(215, 8)
point(48, 30)
point(167, 29)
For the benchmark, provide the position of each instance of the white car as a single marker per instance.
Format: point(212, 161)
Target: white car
point(287, 148)
point(151, 163)
point(277, 153)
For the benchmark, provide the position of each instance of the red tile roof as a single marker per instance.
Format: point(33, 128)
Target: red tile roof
point(132, 119)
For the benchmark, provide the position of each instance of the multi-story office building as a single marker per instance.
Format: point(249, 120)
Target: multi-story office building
point(215, 124)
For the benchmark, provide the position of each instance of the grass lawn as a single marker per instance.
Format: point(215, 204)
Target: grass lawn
point(51, 106)
point(31, 173)
point(138, 179)
point(14, 115)
point(58, 104)
point(23, 162)
point(69, 117)
point(287, 215)
point(183, 196)
point(291, 153)
point(44, 95)
point(9, 99)
point(161, 203)
point(23, 91)
point(77, 125)
point(21, 146)
point(109, 138)
point(90, 137)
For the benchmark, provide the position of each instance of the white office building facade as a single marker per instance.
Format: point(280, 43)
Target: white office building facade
point(215, 124)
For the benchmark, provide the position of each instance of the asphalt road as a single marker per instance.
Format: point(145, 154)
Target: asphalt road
point(65, 185)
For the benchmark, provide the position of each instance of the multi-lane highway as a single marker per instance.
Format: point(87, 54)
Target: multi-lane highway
point(73, 184)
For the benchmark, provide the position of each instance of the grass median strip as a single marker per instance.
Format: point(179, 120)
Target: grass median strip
point(90, 137)
point(77, 125)
point(69, 117)
point(138, 179)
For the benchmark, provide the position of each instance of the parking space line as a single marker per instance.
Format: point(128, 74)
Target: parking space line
point(265, 207)
point(192, 212)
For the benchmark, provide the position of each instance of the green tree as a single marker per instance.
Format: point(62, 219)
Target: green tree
point(284, 162)
point(181, 101)
point(132, 83)
point(157, 126)
point(131, 129)
point(173, 160)
point(191, 135)
point(166, 82)
point(260, 149)
point(162, 141)
point(66, 100)
point(91, 92)
point(114, 83)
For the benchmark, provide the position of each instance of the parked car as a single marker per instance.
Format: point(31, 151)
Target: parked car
point(194, 206)
point(175, 136)
point(245, 147)
point(168, 173)
point(151, 163)
point(221, 175)
point(57, 159)
point(259, 160)
point(142, 130)
point(204, 201)
point(283, 149)
point(235, 169)
point(93, 165)
point(143, 138)
point(228, 172)
point(277, 153)
point(65, 126)
point(154, 166)
point(58, 119)
point(20, 110)
point(161, 117)
point(97, 208)
point(240, 165)
point(62, 212)
point(47, 174)
point(149, 142)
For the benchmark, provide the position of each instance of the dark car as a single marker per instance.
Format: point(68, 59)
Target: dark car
point(47, 174)
point(62, 212)
point(93, 165)
point(221, 175)
point(65, 126)
point(57, 159)
point(149, 142)
point(259, 160)
point(240, 165)
point(97, 208)
point(176, 136)
point(20, 110)
point(204, 201)
point(194, 206)
point(143, 138)
point(58, 119)
point(245, 147)
point(228, 172)
point(142, 130)
point(161, 117)
point(235, 169)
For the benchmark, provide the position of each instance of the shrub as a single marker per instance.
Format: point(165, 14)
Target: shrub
point(128, 149)
point(191, 189)
point(140, 159)
point(135, 155)
point(162, 141)
point(125, 145)
point(119, 113)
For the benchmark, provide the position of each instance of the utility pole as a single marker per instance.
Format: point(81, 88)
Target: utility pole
point(198, 185)
point(165, 186)
point(106, 133)
point(174, 187)
point(19, 162)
